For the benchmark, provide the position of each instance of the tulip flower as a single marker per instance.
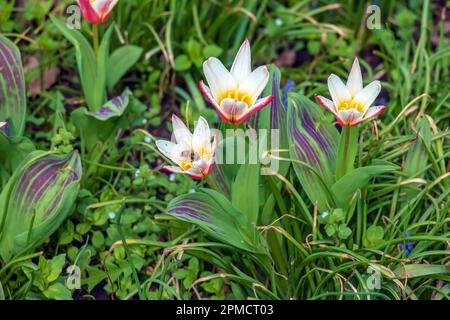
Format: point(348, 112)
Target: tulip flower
point(193, 153)
point(235, 93)
point(3, 124)
point(351, 103)
point(96, 11)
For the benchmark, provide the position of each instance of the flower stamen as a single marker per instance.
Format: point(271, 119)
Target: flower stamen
point(345, 105)
point(236, 95)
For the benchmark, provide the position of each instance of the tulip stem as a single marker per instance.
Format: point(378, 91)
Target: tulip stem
point(348, 146)
point(95, 37)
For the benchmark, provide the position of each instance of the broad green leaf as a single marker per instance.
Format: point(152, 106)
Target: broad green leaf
point(120, 61)
point(344, 189)
point(37, 199)
point(14, 150)
point(99, 88)
point(245, 191)
point(86, 61)
point(215, 215)
point(56, 265)
point(313, 147)
point(13, 103)
point(419, 270)
point(58, 291)
point(417, 156)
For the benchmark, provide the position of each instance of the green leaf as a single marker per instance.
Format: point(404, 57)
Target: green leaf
point(373, 236)
point(58, 291)
point(120, 61)
point(330, 229)
point(345, 188)
point(212, 51)
point(13, 103)
point(86, 61)
point(419, 270)
point(215, 215)
point(344, 232)
point(56, 265)
point(417, 156)
point(182, 63)
point(245, 191)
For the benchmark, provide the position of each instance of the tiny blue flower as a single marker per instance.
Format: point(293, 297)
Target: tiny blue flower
point(172, 177)
point(325, 214)
point(112, 215)
point(408, 246)
point(192, 190)
point(148, 139)
point(144, 121)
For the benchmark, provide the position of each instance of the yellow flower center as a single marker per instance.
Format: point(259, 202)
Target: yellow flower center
point(237, 95)
point(345, 105)
point(186, 165)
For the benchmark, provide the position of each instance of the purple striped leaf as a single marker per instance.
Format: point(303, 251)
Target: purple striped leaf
point(113, 108)
point(38, 197)
point(215, 215)
point(12, 87)
point(313, 146)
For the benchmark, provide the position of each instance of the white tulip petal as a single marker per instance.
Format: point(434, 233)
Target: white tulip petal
point(327, 103)
point(201, 139)
point(338, 90)
point(372, 112)
point(241, 68)
point(255, 83)
point(183, 136)
point(368, 95)
point(349, 117)
point(3, 124)
point(218, 77)
point(354, 81)
point(169, 149)
point(233, 108)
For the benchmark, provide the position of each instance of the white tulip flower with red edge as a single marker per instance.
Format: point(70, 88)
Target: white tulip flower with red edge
point(192, 152)
point(235, 93)
point(351, 102)
point(3, 124)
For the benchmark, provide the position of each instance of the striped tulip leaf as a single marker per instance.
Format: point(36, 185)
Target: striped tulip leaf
point(36, 200)
point(215, 215)
point(13, 103)
point(313, 148)
point(113, 108)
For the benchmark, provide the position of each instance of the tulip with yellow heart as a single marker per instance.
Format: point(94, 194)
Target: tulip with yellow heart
point(235, 93)
point(351, 102)
point(192, 152)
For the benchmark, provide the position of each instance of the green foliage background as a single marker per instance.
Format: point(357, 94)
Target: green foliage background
point(308, 40)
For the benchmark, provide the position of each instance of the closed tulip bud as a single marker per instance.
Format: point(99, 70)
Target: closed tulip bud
point(36, 200)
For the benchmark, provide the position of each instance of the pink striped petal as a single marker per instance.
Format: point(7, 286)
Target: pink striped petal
point(329, 105)
point(208, 95)
point(261, 103)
